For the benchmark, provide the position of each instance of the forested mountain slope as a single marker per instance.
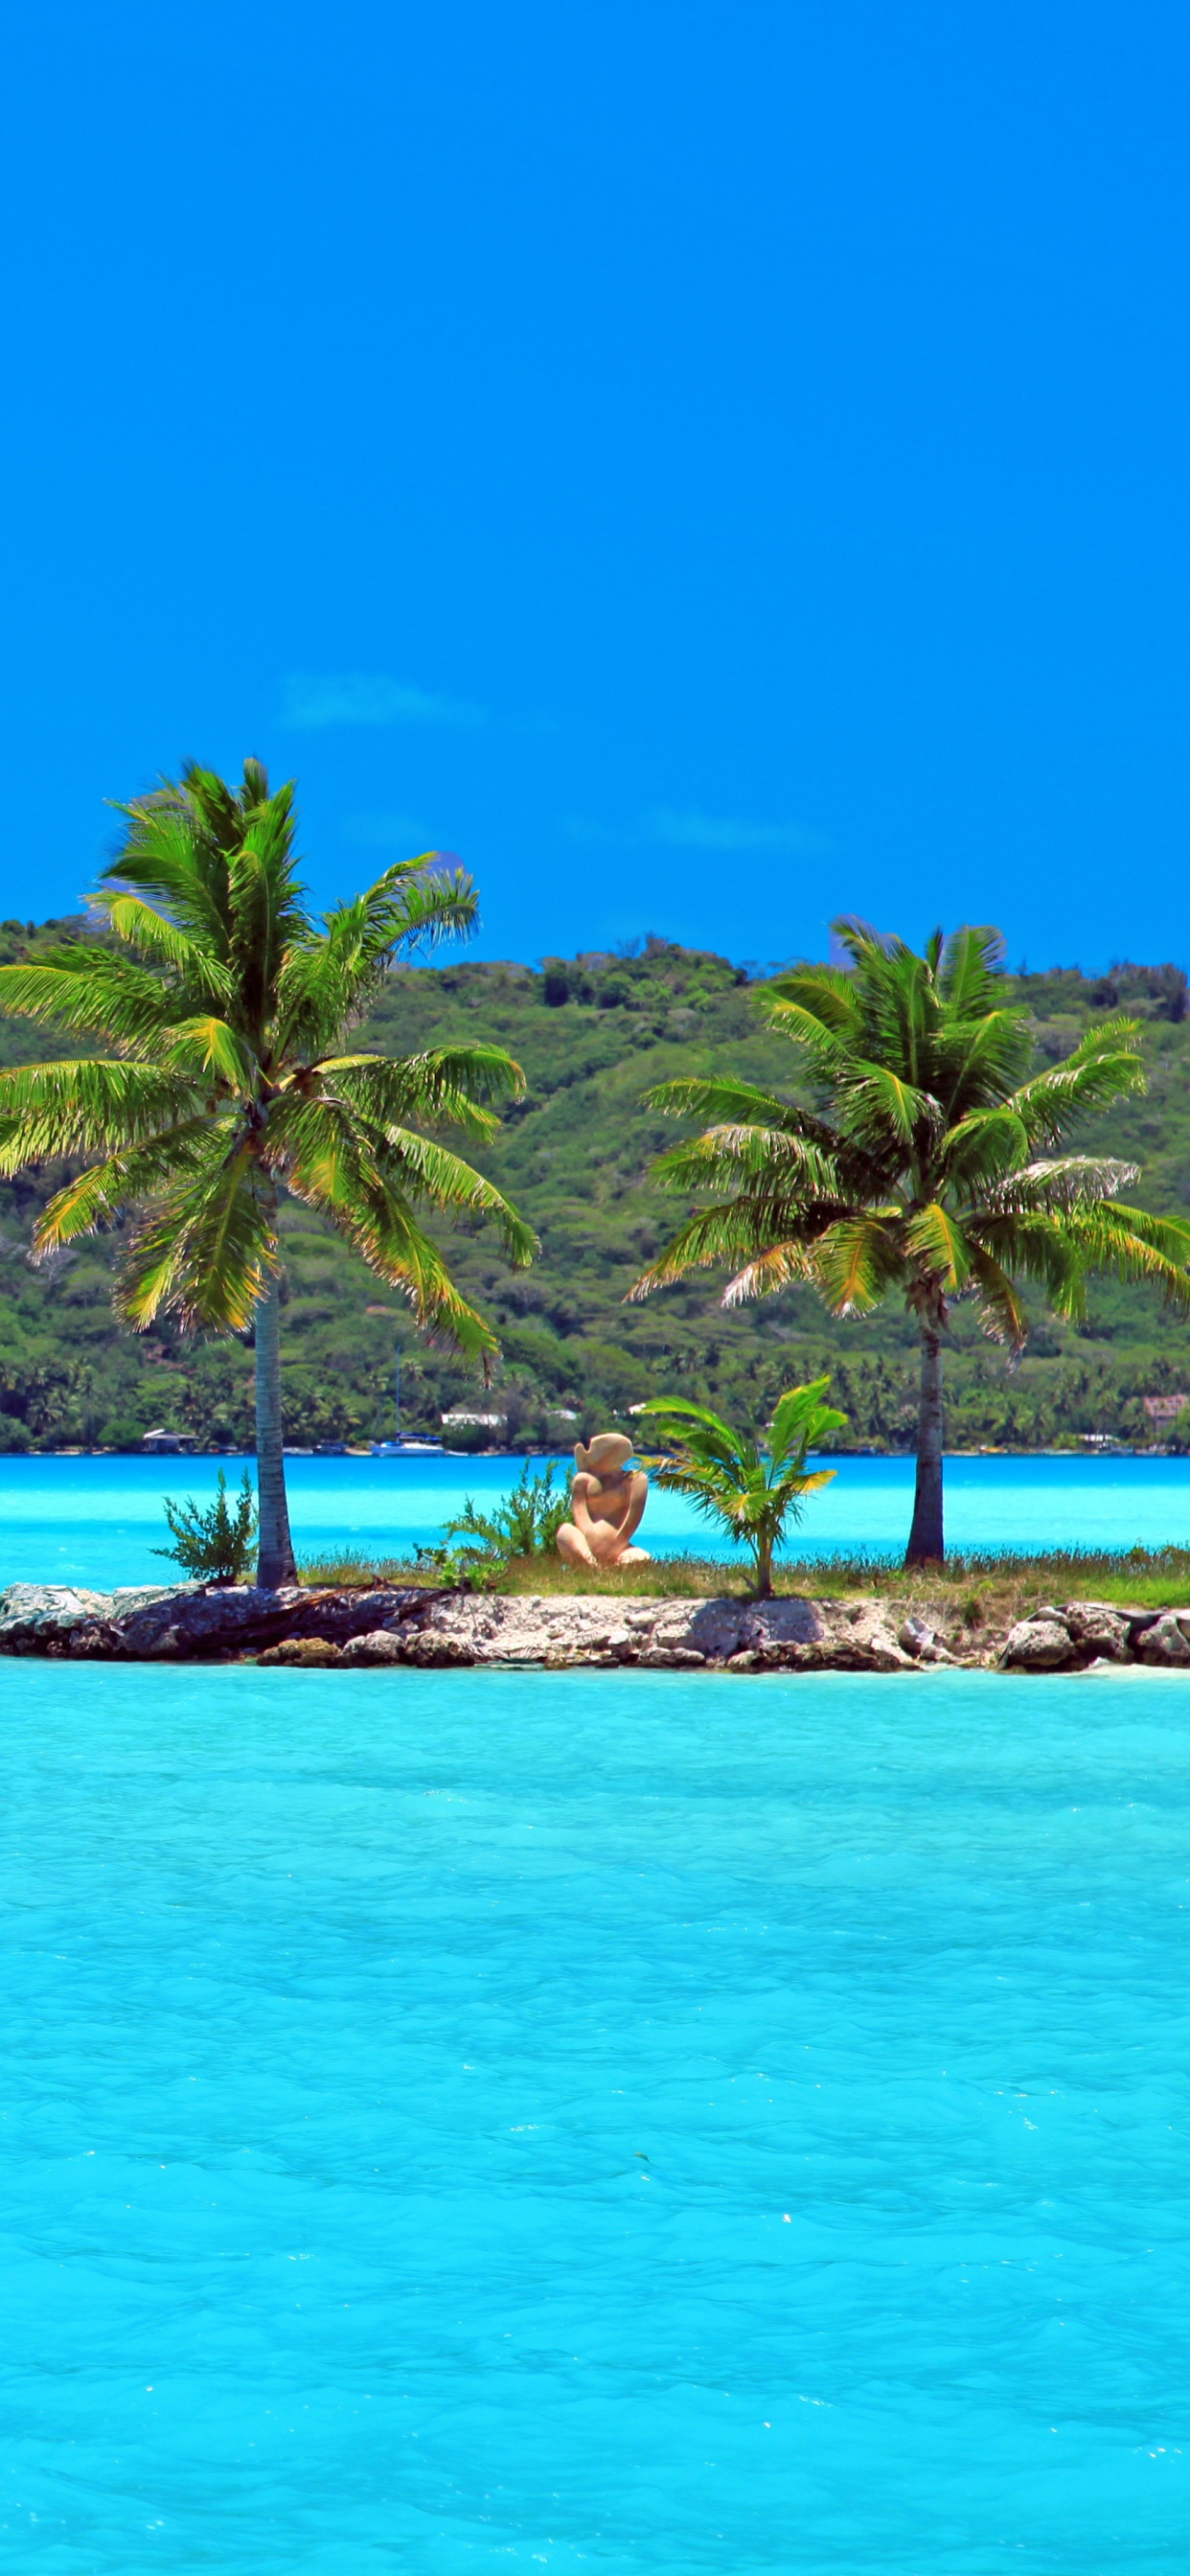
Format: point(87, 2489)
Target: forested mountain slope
point(592, 1034)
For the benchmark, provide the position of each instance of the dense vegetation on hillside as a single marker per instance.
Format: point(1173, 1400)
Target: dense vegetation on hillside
point(593, 1033)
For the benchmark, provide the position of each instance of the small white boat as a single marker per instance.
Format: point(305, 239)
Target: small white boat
point(408, 1449)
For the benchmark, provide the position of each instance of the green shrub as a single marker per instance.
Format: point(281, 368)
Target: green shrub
point(526, 1524)
point(217, 1544)
point(462, 1569)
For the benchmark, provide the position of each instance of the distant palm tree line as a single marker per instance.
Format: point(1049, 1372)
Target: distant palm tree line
point(932, 1164)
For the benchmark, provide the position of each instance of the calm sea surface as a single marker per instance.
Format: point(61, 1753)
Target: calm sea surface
point(470, 2121)
point(97, 1520)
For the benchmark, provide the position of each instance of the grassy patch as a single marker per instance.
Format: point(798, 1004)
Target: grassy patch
point(350, 1571)
point(981, 1592)
point(969, 1595)
point(682, 1578)
point(671, 1578)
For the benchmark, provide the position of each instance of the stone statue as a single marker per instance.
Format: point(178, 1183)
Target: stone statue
point(607, 1504)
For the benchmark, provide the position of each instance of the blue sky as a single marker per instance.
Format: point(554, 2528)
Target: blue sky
point(710, 467)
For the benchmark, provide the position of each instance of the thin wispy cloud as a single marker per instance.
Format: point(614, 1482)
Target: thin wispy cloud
point(400, 832)
point(312, 701)
point(694, 831)
point(668, 827)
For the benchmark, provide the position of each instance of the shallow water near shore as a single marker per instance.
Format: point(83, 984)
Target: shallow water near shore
point(97, 1520)
point(470, 2120)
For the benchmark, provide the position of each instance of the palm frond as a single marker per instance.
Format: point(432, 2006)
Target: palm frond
point(205, 1251)
point(970, 970)
point(416, 904)
point(831, 1058)
point(783, 1265)
point(726, 1102)
point(803, 1420)
point(205, 1048)
point(435, 907)
point(856, 1262)
point(330, 1156)
point(95, 1105)
point(170, 859)
point(106, 1191)
point(383, 1103)
point(91, 992)
point(982, 1147)
point(900, 1010)
point(865, 946)
point(1066, 1181)
point(825, 992)
point(1135, 1245)
point(725, 1157)
point(979, 1062)
point(313, 1002)
point(382, 1229)
point(426, 1169)
point(938, 1241)
point(444, 1085)
point(1001, 1314)
point(879, 1105)
point(266, 908)
point(202, 975)
point(415, 900)
point(715, 1440)
point(1039, 1247)
point(741, 1230)
point(329, 978)
point(1101, 1069)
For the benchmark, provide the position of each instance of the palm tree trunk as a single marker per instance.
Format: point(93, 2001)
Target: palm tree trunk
point(925, 1538)
point(764, 1570)
point(275, 1560)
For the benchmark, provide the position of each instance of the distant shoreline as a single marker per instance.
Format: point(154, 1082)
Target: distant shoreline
point(178, 1458)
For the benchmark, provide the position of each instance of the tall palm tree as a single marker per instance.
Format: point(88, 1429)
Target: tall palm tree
point(935, 1167)
point(230, 1079)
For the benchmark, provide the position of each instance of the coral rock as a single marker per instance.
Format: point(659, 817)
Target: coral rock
point(1098, 1628)
point(436, 1652)
point(313, 1654)
point(378, 1646)
point(1037, 1646)
point(1167, 1641)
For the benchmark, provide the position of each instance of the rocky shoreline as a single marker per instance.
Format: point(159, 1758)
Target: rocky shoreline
point(351, 1628)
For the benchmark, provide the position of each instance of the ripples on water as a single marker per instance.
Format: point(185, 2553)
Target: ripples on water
point(467, 2121)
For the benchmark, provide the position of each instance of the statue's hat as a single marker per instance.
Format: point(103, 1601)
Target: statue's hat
point(608, 1451)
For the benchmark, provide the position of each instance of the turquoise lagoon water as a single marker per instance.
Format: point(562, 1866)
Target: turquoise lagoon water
point(481, 2121)
point(97, 1520)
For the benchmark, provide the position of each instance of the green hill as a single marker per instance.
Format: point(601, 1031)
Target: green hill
point(592, 1034)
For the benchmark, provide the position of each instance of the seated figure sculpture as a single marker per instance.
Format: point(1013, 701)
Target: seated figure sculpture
point(607, 1504)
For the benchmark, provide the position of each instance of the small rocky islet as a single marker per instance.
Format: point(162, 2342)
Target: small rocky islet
point(350, 1627)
